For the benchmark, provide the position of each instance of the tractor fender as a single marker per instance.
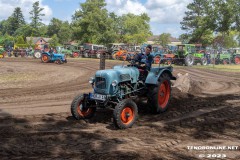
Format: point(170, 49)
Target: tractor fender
point(46, 53)
point(155, 74)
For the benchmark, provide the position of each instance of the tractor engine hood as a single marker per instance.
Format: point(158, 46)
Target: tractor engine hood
point(104, 78)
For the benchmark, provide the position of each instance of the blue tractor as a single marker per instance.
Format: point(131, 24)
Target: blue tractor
point(118, 88)
point(50, 56)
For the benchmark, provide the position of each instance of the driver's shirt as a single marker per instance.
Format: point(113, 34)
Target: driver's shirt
point(148, 59)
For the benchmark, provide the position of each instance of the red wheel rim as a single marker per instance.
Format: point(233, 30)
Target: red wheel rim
point(164, 94)
point(45, 58)
point(169, 62)
point(81, 112)
point(237, 60)
point(75, 54)
point(127, 115)
point(157, 59)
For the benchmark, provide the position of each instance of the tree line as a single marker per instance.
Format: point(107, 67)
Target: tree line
point(91, 23)
point(212, 22)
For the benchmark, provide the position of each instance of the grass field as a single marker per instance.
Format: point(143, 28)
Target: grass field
point(229, 68)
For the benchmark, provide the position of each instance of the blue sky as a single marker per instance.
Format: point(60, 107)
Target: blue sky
point(165, 14)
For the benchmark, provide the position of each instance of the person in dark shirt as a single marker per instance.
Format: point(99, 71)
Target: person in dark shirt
point(145, 59)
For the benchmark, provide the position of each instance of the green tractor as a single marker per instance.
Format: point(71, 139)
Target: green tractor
point(236, 55)
point(187, 54)
point(223, 57)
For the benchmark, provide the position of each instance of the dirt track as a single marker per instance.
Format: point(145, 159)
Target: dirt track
point(36, 121)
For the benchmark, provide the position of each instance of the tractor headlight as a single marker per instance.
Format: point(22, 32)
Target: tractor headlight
point(114, 83)
point(91, 80)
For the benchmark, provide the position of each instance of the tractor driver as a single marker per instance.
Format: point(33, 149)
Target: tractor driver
point(145, 60)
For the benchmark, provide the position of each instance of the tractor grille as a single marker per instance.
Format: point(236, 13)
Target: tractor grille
point(100, 83)
point(125, 77)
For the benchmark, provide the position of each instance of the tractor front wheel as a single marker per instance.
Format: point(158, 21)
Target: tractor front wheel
point(160, 95)
point(80, 108)
point(85, 53)
point(59, 61)
point(125, 114)
point(45, 58)
point(204, 61)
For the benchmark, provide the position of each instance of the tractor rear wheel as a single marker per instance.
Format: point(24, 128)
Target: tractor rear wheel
point(75, 54)
point(79, 109)
point(45, 58)
point(160, 95)
point(237, 60)
point(125, 114)
point(189, 60)
point(157, 59)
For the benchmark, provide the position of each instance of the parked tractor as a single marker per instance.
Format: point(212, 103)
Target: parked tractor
point(50, 56)
point(118, 87)
point(169, 54)
point(236, 55)
point(186, 54)
point(91, 50)
point(223, 56)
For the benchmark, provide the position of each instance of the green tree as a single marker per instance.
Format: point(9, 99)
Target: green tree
point(35, 15)
point(54, 42)
point(64, 33)
point(25, 31)
point(164, 39)
point(54, 26)
point(42, 31)
point(5, 26)
point(91, 23)
point(20, 40)
point(227, 41)
point(236, 11)
point(13, 22)
point(200, 17)
point(133, 27)
point(17, 19)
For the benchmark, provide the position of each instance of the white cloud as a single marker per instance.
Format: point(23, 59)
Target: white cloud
point(125, 6)
point(8, 6)
point(161, 12)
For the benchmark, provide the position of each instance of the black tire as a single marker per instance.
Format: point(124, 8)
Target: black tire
point(79, 111)
point(85, 53)
point(123, 110)
point(189, 60)
point(225, 61)
point(16, 54)
point(45, 58)
point(204, 61)
point(159, 96)
point(114, 55)
point(59, 61)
